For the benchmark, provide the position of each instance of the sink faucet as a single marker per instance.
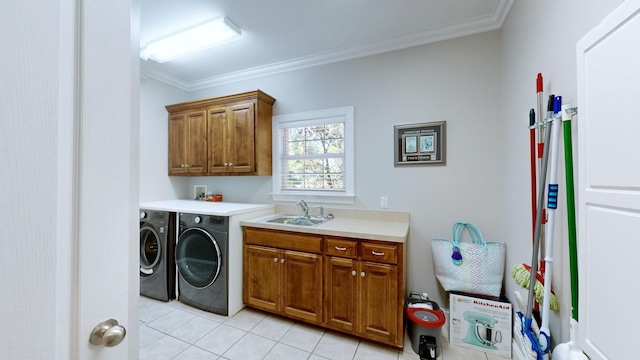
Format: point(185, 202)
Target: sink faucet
point(304, 206)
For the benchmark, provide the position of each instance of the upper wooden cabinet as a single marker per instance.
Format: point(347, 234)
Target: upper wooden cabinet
point(229, 135)
point(188, 143)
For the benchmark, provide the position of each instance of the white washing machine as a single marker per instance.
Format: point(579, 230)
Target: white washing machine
point(201, 256)
point(157, 266)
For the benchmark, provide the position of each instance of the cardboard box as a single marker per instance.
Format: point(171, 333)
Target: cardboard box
point(481, 324)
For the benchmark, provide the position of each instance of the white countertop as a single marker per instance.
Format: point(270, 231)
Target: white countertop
point(360, 224)
point(384, 226)
point(204, 207)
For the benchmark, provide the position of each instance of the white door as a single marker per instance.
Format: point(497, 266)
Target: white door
point(106, 176)
point(69, 184)
point(608, 125)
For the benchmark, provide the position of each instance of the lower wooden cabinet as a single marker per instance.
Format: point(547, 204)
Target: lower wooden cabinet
point(261, 285)
point(286, 282)
point(349, 285)
point(378, 302)
point(362, 296)
point(341, 294)
point(302, 286)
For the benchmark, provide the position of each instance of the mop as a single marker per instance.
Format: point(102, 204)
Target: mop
point(523, 340)
point(552, 205)
point(526, 341)
point(523, 325)
point(570, 350)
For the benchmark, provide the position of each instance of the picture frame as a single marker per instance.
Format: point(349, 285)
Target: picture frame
point(420, 144)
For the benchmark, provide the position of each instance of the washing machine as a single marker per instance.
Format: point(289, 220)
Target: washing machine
point(201, 256)
point(157, 263)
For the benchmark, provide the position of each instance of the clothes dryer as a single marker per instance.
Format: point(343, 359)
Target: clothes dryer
point(157, 263)
point(201, 257)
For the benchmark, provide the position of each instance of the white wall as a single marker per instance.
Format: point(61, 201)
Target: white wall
point(154, 142)
point(539, 36)
point(456, 81)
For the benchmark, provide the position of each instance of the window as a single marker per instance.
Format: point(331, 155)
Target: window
point(313, 156)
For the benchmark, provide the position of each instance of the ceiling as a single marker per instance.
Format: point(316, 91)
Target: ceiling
point(283, 35)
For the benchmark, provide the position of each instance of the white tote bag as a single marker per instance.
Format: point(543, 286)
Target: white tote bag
point(475, 267)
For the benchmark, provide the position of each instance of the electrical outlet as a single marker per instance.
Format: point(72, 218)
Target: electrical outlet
point(384, 202)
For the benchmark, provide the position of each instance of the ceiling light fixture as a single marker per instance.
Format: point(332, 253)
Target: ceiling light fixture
point(192, 40)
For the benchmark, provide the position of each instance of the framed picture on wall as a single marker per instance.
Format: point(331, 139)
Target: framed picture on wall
point(420, 144)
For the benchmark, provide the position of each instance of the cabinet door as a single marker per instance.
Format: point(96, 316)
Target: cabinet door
point(241, 141)
point(177, 144)
point(218, 135)
point(302, 286)
point(262, 277)
point(379, 301)
point(341, 294)
point(197, 142)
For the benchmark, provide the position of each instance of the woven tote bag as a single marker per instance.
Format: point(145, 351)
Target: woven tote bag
point(475, 267)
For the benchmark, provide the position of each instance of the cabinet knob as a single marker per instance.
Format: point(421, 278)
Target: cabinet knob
point(282, 261)
point(275, 259)
point(353, 272)
point(226, 164)
point(230, 164)
point(377, 253)
point(362, 274)
point(341, 248)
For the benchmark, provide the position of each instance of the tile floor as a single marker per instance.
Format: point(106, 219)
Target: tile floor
point(177, 331)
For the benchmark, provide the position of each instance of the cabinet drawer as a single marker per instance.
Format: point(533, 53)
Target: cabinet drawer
point(283, 240)
point(386, 253)
point(341, 247)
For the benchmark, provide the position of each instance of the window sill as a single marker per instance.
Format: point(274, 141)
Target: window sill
point(316, 198)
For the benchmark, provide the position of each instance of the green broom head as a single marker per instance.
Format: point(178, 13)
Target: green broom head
point(522, 276)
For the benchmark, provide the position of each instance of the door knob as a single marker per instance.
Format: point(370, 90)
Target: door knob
point(108, 333)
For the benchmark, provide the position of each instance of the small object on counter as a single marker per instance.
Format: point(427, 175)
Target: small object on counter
point(215, 198)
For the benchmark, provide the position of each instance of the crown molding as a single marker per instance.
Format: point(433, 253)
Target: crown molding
point(476, 26)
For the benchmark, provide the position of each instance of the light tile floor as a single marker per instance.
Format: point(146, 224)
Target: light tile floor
point(172, 330)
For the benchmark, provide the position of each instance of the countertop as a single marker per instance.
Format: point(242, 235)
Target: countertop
point(360, 224)
point(204, 207)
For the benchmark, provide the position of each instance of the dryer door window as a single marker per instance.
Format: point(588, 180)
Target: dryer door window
point(150, 250)
point(198, 257)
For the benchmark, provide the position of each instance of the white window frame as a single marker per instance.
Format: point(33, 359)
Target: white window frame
point(344, 114)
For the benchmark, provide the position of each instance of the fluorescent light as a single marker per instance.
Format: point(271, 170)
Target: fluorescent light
point(192, 40)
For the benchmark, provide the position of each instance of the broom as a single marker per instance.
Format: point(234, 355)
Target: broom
point(570, 350)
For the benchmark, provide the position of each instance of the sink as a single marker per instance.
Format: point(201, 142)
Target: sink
point(297, 220)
